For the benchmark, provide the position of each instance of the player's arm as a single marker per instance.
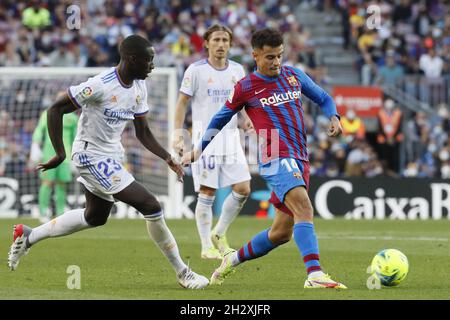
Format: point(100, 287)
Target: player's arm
point(55, 115)
point(146, 137)
point(248, 125)
point(324, 100)
point(233, 105)
point(219, 121)
point(180, 113)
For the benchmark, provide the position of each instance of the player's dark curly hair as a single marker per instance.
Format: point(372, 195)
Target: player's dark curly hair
point(134, 45)
point(266, 37)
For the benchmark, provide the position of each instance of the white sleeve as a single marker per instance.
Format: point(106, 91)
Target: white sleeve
point(141, 100)
point(88, 92)
point(189, 82)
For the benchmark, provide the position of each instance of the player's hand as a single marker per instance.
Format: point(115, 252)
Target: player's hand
point(178, 145)
point(335, 127)
point(52, 163)
point(190, 157)
point(248, 126)
point(176, 167)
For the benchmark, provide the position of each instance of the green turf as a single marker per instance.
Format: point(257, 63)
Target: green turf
point(118, 261)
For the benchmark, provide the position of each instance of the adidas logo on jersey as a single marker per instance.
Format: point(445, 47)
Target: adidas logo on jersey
point(280, 98)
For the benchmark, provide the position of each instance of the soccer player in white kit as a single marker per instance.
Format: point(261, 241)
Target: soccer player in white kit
point(208, 83)
point(108, 101)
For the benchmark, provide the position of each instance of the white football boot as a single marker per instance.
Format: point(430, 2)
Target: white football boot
point(19, 245)
point(190, 280)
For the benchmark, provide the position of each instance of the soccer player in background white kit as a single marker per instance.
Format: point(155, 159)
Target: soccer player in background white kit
point(108, 101)
point(208, 83)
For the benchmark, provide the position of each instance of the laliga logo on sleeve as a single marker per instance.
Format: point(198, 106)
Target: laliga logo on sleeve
point(86, 92)
point(187, 82)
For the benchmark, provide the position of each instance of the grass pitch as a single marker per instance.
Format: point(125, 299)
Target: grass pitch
point(119, 261)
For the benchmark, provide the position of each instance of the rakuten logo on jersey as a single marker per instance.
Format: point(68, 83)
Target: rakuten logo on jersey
point(280, 98)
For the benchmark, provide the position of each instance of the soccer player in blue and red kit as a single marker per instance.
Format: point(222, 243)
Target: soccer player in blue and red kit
point(271, 97)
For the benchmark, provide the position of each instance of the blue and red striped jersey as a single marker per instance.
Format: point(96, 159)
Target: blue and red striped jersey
point(274, 105)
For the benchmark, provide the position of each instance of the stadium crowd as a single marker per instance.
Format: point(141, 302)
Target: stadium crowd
point(410, 47)
point(37, 33)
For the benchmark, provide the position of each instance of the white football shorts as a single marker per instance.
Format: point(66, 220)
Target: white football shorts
point(218, 171)
point(103, 176)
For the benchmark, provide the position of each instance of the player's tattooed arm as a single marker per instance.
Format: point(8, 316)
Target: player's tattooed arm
point(55, 115)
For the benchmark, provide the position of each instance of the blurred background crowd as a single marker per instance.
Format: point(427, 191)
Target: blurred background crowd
point(409, 50)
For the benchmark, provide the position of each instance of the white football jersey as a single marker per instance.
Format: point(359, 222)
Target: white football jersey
point(209, 88)
point(107, 105)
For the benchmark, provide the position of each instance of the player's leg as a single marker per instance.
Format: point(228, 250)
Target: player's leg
point(205, 173)
point(204, 220)
point(279, 233)
point(298, 202)
point(142, 200)
point(234, 171)
point(95, 214)
point(230, 209)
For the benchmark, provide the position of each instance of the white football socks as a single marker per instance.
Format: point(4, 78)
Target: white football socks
point(230, 209)
point(65, 224)
point(203, 218)
point(161, 235)
point(234, 257)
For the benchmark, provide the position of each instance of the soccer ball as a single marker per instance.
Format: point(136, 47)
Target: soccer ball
point(390, 266)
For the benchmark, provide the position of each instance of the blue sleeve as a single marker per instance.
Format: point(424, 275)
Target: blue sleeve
point(219, 120)
point(316, 94)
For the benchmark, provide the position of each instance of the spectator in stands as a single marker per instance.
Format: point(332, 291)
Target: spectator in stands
point(431, 87)
point(431, 64)
point(36, 16)
point(10, 58)
point(390, 134)
point(391, 72)
point(402, 12)
point(414, 144)
point(352, 127)
point(96, 57)
point(423, 22)
point(411, 170)
point(356, 158)
point(25, 48)
point(62, 57)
